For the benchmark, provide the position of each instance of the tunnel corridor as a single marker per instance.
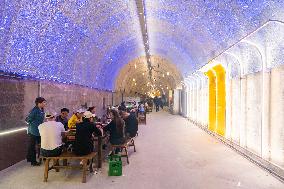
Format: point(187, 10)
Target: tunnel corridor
point(177, 154)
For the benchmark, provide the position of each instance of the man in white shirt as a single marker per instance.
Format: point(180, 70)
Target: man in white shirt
point(51, 133)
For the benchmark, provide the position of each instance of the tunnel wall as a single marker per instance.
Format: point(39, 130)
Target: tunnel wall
point(17, 99)
point(246, 110)
point(254, 94)
point(117, 98)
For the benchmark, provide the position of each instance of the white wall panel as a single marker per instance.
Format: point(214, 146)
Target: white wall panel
point(254, 112)
point(266, 112)
point(243, 113)
point(206, 102)
point(236, 109)
point(277, 115)
point(176, 101)
point(228, 109)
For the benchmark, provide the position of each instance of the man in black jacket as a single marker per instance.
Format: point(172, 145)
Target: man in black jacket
point(84, 134)
point(131, 122)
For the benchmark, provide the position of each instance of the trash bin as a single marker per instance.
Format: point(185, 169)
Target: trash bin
point(114, 165)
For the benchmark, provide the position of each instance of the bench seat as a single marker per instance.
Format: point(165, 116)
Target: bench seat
point(65, 156)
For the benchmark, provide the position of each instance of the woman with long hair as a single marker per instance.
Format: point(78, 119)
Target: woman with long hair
point(116, 128)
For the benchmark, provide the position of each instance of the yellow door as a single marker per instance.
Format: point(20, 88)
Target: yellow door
point(212, 100)
point(220, 99)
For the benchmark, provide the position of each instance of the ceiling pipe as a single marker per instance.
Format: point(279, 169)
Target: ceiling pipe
point(143, 24)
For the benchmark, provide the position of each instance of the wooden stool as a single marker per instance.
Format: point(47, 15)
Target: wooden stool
point(124, 147)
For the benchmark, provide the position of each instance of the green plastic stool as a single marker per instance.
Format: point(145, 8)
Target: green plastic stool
point(114, 165)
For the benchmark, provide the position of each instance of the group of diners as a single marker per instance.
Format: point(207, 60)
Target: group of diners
point(50, 131)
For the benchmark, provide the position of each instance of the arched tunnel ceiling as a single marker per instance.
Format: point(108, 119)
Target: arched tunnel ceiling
point(134, 77)
point(87, 42)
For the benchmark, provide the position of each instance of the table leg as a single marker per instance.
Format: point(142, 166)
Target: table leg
point(84, 170)
point(100, 152)
point(56, 163)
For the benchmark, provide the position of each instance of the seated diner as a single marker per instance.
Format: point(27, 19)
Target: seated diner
point(116, 128)
point(131, 122)
point(76, 118)
point(63, 117)
point(51, 133)
point(84, 143)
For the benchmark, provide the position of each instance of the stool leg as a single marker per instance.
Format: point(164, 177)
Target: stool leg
point(126, 152)
point(46, 168)
point(133, 145)
point(91, 165)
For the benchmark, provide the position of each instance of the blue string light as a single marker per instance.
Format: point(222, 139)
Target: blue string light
point(87, 42)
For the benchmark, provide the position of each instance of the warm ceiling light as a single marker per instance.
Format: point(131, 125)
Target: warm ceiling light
point(143, 73)
point(168, 73)
point(167, 87)
point(134, 83)
point(133, 79)
point(163, 75)
point(135, 66)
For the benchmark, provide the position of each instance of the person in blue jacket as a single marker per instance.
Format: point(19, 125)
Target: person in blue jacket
point(34, 119)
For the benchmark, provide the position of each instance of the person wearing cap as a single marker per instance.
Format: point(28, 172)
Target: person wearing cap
point(84, 134)
point(34, 119)
point(76, 118)
point(51, 133)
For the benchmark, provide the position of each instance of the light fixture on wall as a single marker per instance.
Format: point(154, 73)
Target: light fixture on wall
point(12, 131)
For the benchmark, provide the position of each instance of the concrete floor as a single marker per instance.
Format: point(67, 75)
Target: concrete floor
point(171, 153)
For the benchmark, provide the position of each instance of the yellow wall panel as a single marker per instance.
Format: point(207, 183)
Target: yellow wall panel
point(220, 99)
point(212, 100)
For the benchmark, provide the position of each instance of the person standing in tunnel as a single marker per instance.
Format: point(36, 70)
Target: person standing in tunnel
point(34, 119)
point(161, 102)
point(156, 102)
